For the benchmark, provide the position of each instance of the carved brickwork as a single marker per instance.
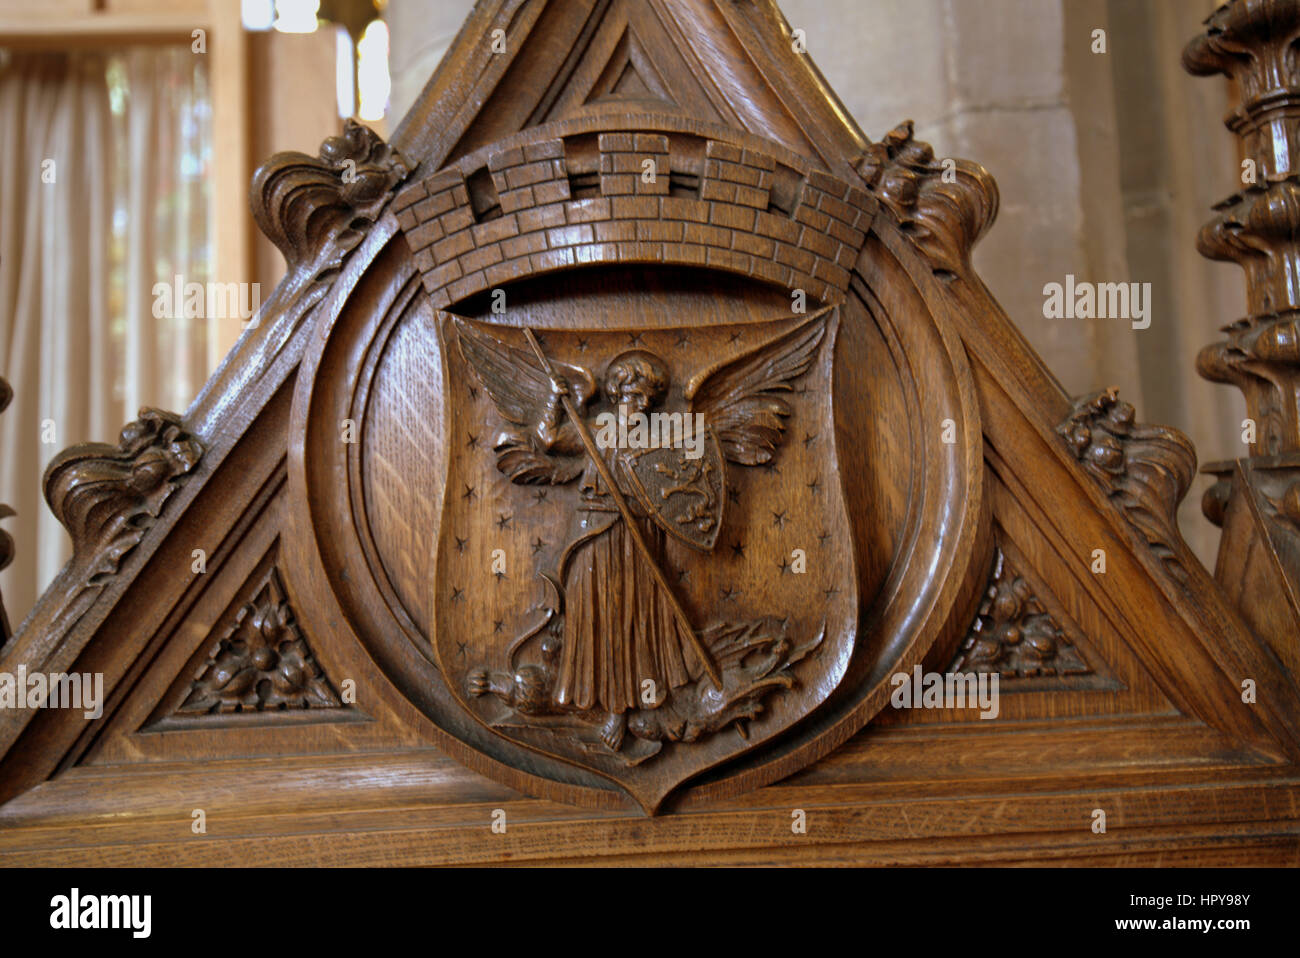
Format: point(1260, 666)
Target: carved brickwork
point(635, 164)
point(544, 206)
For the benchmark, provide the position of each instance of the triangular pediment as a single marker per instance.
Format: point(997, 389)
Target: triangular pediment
point(516, 66)
point(629, 76)
point(255, 660)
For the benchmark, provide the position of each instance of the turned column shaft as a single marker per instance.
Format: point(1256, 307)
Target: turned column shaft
point(1257, 498)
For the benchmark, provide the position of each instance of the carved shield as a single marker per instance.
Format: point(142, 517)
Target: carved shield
point(645, 651)
point(685, 494)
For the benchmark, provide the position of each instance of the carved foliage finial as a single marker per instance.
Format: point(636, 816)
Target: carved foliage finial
point(107, 496)
point(945, 207)
point(302, 202)
point(1147, 469)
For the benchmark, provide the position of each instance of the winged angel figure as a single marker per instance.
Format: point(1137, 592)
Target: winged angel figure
point(623, 645)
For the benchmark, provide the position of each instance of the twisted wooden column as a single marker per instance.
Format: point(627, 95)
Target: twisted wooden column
point(6, 540)
point(1257, 498)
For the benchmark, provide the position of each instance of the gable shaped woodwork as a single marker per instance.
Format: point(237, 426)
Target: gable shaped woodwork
point(329, 436)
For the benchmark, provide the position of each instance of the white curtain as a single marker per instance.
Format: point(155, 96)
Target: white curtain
point(102, 195)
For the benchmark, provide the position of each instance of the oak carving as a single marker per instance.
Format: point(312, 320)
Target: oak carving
point(616, 646)
point(1146, 469)
point(6, 540)
point(1014, 635)
point(418, 469)
point(1253, 42)
point(305, 203)
point(945, 207)
point(107, 497)
point(260, 663)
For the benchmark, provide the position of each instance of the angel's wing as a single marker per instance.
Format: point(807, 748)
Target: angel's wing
point(514, 377)
point(742, 398)
point(520, 389)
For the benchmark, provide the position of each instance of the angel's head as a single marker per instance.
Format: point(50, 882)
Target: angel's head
point(637, 380)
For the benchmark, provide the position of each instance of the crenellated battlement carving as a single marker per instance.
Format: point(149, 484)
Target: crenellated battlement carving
point(632, 197)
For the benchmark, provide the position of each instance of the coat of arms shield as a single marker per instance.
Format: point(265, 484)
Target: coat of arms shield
point(665, 580)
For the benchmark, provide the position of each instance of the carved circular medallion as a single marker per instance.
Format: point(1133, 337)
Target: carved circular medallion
point(638, 481)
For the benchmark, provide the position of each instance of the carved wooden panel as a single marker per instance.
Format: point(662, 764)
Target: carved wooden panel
point(257, 660)
point(1015, 636)
point(620, 433)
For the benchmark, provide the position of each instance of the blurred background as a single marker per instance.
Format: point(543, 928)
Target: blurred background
point(130, 130)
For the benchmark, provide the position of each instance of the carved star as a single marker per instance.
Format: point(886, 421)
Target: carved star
point(683, 575)
point(779, 519)
point(734, 495)
point(635, 339)
point(815, 486)
point(582, 345)
point(498, 626)
point(473, 393)
point(470, 494)
point(457, 594)
point(500, 575)
point(461, 543)
point(540, 494)
point(538, 546)
point(682, 341)
point(735, 338)
point(784, 566)
point(729, 593)
point(830, 591)
point(821, 539)
point(771, 468)
point(472, 441)
point(460, 648)
point(503, 521)
point(801, 391)
point(809, 437)
point(738, 550)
